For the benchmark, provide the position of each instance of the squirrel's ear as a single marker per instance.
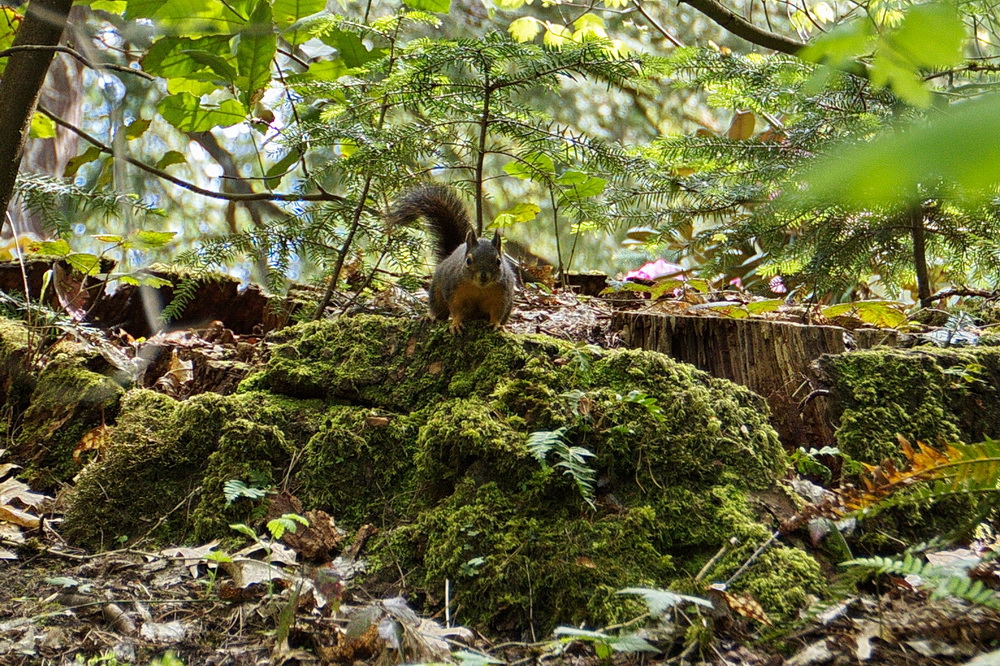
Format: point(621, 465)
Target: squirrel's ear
point(471, 240)
point(496, 240)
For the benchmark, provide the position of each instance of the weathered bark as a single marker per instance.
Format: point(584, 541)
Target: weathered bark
point(771, 358)
point(22, 83)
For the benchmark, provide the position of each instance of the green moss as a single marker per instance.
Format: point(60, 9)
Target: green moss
point(361, 464)
point(16, 384)
point(782, 580)
point(68, 401)
point(163, 452)
point(425, 434)
point(925, 394)
point(509, 565)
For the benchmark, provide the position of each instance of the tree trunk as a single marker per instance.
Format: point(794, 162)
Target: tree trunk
point(919, 236)
point(22, 83)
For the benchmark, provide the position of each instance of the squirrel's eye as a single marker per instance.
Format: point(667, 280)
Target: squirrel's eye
point(499, 262)
point(468, 260)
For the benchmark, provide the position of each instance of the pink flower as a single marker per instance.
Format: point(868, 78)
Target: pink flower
point(656, 269)
point(777, 285)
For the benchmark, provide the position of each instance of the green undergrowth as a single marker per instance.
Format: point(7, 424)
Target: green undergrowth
point(424, 435)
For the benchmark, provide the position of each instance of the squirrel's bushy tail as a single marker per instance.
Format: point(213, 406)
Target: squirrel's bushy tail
point(446, 216)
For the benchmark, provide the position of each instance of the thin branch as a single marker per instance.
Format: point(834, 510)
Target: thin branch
point(78, 56)
point(740, 27)
point(191, 187)
point(659, 28)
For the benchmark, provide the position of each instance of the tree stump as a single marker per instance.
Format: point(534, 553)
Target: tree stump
point(772, 358)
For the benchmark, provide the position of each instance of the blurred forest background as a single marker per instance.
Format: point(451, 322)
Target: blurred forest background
point(848, 147)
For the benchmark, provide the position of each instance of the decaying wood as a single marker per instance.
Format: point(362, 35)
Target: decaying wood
point(771, 358)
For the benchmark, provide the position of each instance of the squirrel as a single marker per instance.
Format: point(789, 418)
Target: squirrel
point(473, 279)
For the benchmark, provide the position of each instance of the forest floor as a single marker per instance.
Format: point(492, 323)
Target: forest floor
point(193, 606)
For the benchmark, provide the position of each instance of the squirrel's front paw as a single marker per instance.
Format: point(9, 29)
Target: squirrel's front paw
point(456, 327)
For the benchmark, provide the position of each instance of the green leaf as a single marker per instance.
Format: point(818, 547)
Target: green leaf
point(931, 35)
point(578, 185)
point(187, 113)
point(556, 35)
point(136, 128)
point(42, 127)
point(254, 54)
point(244, 530)
point(150, 240)
point(110, 6)
point(217, 64)
point(883, 314)
point(841, 45)
point(280, 168)
point(170, 157)
point(108, 238)
point(958, 149)
point(760, 307)
point(56, 248)
point(438, 6)
point(191, 16)
point(530, 165)
point(904, 79)
point(173, 57)
point(85, 263)
point(524, 29)
point(74, 163)
point(287, 12)
point(522, 212)
point(350, 47)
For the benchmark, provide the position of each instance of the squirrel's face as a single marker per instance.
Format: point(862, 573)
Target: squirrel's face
point(483, 265)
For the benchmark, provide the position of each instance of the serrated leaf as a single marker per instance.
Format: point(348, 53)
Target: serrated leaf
point(175, 57)
point(589, 26)
point(85, 263)
point(524, 29)
point(187, 113)
point(170, 157)
point(578, 185)
point(883, 314)
point(56, 248)
point(254, 54)
point(841, 45)
point(931, 35)
point(150, 240)
point(556, 35)
point(108, 238)
point(954, 148)
point(522, 212)
point(350, 47)
point(530, 165)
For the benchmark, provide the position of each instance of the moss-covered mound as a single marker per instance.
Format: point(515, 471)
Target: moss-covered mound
point(426, 435)
point(926, 394)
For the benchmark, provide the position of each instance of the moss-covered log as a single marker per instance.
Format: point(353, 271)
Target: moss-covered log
point(400, 424)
